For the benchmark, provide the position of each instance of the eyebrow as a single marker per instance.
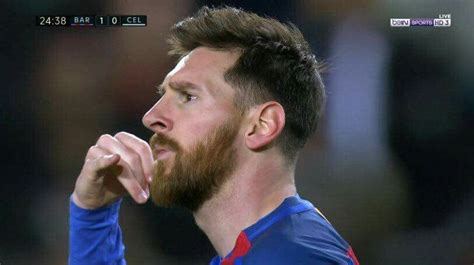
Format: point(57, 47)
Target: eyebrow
point(177, 85)
point(160, 89)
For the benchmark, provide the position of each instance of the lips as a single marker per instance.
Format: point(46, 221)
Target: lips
point(160, 153)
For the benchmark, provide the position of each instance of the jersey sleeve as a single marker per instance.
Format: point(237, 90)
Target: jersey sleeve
point(95, 237)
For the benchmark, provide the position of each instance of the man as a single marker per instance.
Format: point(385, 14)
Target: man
point(233, 114)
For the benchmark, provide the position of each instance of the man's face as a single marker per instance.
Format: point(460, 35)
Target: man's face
point(195, 124)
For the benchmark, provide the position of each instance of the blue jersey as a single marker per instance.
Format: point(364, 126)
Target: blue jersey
point(294, 233)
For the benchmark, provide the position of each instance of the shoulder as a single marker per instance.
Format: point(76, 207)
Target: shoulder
point(303, 238)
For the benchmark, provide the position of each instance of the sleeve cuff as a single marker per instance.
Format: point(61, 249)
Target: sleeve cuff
point(95, 215)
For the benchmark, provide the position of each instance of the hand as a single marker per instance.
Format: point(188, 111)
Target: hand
point(114, 167)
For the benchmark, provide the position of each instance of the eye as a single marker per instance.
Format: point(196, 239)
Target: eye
point(187, 97)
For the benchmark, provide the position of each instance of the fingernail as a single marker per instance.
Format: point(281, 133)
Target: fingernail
point(110, 156)
point(150, 178)
point(144, 196)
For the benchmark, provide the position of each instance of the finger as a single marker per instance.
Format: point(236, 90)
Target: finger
point(128, 156)
point(106, 161)
point(95, 151)
point(140, 147)
point(92, 167)
point(127, 179)
point(131, 184)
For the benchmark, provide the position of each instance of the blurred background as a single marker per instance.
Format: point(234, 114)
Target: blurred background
point(391, 166)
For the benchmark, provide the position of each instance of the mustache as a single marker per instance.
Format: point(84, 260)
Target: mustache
point(164, 141)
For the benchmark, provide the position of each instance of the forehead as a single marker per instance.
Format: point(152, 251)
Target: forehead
point(205, 68)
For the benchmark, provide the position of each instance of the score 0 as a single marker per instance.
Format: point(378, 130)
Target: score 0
point(115, 21)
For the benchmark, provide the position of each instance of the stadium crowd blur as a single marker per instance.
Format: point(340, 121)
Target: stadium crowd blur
point(391, 166)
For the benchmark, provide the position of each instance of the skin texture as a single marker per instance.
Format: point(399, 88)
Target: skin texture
point(115, 166)
point(248, 182)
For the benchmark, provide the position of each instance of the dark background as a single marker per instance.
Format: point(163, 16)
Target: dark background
point(391, 166)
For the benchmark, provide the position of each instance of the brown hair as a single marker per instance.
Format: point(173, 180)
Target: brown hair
point(276, 63)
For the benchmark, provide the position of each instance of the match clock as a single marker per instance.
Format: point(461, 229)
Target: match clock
point(49, 21)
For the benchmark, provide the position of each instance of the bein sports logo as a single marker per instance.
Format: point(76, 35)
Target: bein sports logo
point(400, 22)
point(443, 20)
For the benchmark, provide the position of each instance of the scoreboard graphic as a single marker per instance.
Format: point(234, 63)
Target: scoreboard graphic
point(91, 21)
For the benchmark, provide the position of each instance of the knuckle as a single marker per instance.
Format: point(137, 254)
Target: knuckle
point(92, 148)
point(104, 137)
point(120, 134)
point(89, 155)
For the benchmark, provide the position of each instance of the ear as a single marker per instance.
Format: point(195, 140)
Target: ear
point(266, 123)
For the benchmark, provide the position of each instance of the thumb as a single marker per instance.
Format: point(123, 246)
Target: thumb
point(102, 163)
point(106, 161)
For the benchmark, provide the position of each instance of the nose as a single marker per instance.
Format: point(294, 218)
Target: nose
point(156, 120)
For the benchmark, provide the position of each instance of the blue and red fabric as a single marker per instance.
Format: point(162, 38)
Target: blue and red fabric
point(294, 233)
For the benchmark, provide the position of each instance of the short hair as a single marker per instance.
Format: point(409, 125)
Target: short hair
point(275, 63)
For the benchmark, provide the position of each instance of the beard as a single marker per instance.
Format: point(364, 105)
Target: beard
point(195, 175)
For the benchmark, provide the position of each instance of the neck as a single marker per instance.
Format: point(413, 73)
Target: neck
point(250, 193)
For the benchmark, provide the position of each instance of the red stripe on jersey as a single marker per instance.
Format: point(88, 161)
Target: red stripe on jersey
point(242, 246)
point(352, 255)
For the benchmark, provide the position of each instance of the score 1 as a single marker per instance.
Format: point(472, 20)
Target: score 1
point(101, 21)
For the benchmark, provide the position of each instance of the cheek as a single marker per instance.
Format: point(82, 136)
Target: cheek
point(193, 128)
point(191, 133)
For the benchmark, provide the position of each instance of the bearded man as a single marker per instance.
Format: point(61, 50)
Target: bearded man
point(232, 116)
